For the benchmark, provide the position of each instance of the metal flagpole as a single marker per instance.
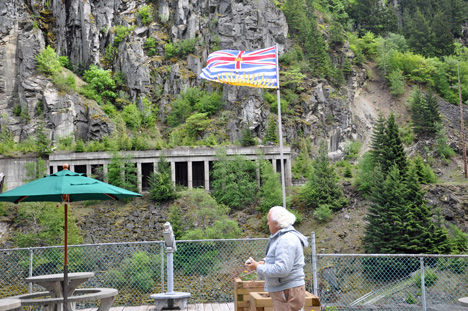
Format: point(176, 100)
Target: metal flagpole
point(283, 184)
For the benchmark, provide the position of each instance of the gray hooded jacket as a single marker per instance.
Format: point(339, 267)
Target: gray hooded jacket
point(284, 261)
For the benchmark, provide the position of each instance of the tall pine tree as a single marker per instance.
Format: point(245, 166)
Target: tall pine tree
point(393, 150)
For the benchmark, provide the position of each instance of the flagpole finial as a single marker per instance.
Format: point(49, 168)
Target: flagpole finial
point(65, 166)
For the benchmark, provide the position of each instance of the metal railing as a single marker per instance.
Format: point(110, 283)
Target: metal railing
point(207, 268)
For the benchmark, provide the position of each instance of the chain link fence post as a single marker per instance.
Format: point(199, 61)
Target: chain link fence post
point(314, 265)
point(161, 248)
point(31, 254)
point(423, 285)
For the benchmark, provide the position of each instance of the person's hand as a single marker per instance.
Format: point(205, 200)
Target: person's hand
point(252, 264)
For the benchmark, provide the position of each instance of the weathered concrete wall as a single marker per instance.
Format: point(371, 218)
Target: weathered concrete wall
point(15, 171)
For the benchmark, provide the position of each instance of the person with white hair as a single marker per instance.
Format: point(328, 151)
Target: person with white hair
point(283, 266)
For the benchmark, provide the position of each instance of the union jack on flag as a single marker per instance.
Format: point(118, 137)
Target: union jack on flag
point(255, 68)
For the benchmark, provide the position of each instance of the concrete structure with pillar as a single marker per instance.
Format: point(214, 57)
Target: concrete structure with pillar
point(190, 167)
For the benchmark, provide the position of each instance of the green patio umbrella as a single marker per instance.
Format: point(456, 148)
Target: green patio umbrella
point(66, 186)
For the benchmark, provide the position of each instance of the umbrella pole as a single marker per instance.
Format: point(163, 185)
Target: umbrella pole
point(65, 268)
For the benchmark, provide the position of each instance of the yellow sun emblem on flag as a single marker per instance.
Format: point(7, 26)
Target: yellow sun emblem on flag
point(246, 80)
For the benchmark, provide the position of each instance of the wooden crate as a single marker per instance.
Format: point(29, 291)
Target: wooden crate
point(261, 301)
point(242, 289)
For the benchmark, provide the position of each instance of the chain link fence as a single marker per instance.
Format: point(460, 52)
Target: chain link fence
point(207, 269)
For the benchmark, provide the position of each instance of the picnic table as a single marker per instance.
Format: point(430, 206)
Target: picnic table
point(54, 282)
point(53, 298)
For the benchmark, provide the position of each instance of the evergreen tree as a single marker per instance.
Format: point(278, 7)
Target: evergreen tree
point(378, 141)
point(234, 180)
point(397, 82)
point(35, 170)
point(424, 112)
point(423, 171)
point(294, 11)
point(42, 141)
point(373, 16)
point(416, 237)
point(161, 187)
point(417, 110)
point(270, 191)
point(314, 45)
point(420, 36)
point(443, 38)
point(393, 150)
point(432, 114)
point(271, 134)
point(378, 229)
point(122, 173)
point(337, 37)
point(246, 136)
point(322, 183)
point(176, 220)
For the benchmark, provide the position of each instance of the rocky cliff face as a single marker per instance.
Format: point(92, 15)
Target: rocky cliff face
point(85, 31)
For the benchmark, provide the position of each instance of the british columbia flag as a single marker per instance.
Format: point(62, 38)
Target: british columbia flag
point(255, 68)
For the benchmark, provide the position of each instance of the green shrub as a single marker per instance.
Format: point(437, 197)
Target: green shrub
point(457, 265)
point(65, 83)
point(234, 181)
point(348, 173)
point(150, 46)
point(410, 299)
point(406, 135)
point(48, 62)
point(429, 278)
point(268, 97)
point(352, 149)
point(323, 213)
point(17, 110)
point(39, 108)
point(397, 82)
point(161, 186)
point(64, 61)
point(131, 116)
point(209, 103)
point(120, 33)
point(180, 48)
point(139, 271)
point(442, 147)
point(145, 14)
point(270, 191)
point(170, 50)
point(100, 86)
point(80, 146)
point(389, 268)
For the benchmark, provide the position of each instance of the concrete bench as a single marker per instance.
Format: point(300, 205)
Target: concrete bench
point(106, 295)
point(10, 304)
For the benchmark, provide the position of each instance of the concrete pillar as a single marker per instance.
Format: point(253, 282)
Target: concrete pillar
point(88, 170)
point(206, 167)
point(273, 162)
point(287, 171)
point(72, 167)
point(173, 173)
point(105, 170)
point(189, 175)
point(139, 178)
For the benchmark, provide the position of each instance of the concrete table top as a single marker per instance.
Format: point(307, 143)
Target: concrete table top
point(54, 282)
point(9, 304)
point(463, 301)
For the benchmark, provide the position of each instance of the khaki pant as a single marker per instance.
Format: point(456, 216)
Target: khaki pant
point(292, 299)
